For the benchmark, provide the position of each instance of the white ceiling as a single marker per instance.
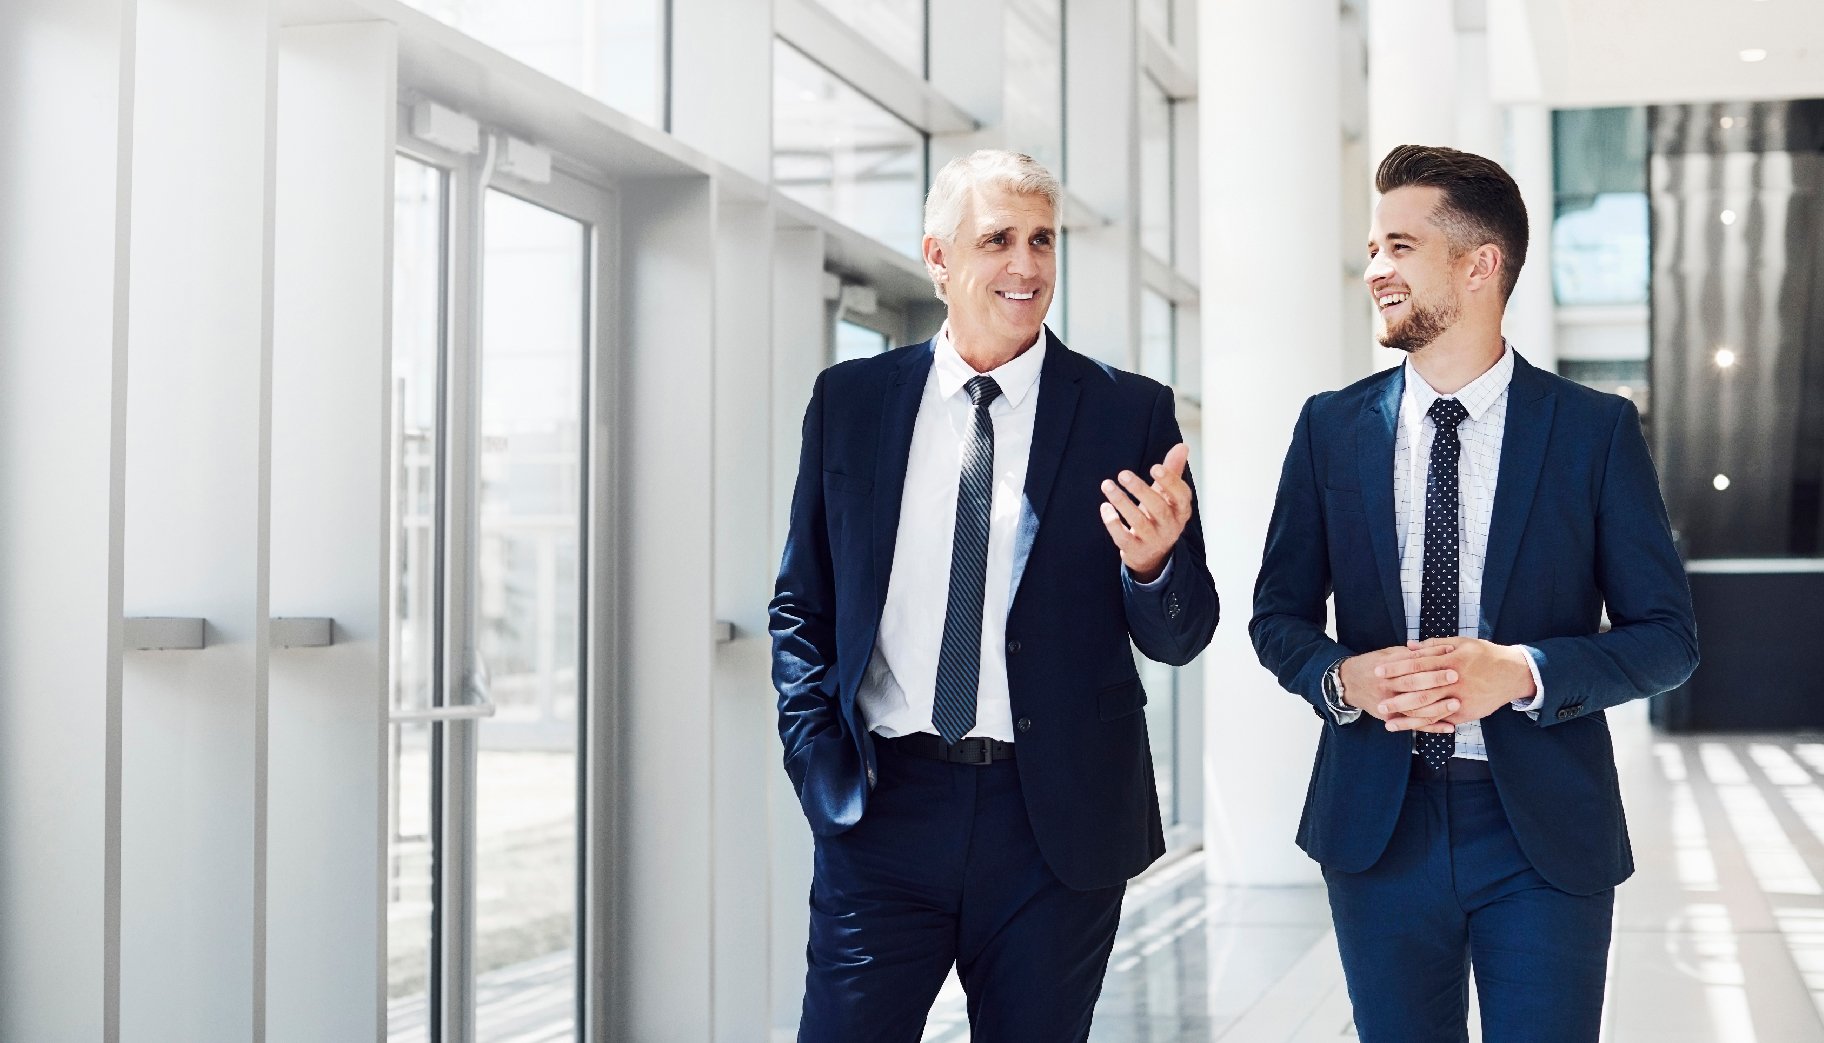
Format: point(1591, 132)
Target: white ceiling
point(1571, 53)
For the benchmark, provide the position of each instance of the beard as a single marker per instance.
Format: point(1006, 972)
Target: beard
point(1425, 324)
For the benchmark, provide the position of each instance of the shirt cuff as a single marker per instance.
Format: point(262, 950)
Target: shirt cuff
point(1530, 707)
point(1342, 712)
point(1158, 581)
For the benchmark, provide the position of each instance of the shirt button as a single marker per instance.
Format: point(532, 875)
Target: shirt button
point(1013, 648)
point(1024, 724)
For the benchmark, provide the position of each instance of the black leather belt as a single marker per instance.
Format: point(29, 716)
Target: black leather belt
point(933, 747)
point(1456, 769)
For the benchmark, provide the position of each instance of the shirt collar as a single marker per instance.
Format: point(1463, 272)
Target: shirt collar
point(1017, 376)
point(1476, 397)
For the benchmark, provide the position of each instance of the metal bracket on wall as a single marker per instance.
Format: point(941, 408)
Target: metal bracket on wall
point(303, 632)
point(163, 633)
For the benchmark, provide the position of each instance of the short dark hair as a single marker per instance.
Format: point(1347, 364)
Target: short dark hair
point(1481, 203)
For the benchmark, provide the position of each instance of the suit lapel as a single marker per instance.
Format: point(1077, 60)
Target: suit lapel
point(899, 414)
point(1530, 405)
point(1057, 406)
point(1374, 440)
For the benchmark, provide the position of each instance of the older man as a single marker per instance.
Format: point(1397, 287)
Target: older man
point(972, 547)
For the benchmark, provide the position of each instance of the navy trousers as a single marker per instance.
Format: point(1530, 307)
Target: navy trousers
point(942, 869)
point(1452, 891)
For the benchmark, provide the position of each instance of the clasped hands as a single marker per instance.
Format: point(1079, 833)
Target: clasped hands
point(1435, 685)
point(1145, 520)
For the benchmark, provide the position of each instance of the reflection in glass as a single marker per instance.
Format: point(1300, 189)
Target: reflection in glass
point(838, 152)
point(1155, 170)
point(527, 597)
point(1599, 214)
point(608, 49)
point(1034, 117)
point(858, 342)
point(418, 264)
point(895, 26)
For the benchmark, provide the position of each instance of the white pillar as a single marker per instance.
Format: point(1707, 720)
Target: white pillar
point(1279, 211)
point(65, 153)
point(331, 432)
point(1532, 312)
point(193, 842)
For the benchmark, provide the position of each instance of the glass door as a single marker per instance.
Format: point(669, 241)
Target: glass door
point(494, 352)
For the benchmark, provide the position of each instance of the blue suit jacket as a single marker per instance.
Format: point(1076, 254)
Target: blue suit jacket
point(1083, 759)
point(1578, 522)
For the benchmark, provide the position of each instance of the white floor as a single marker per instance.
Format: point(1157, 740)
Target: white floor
point(1719, 935)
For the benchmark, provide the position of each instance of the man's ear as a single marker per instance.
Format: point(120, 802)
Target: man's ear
point(1486, 266)
point(934, 259)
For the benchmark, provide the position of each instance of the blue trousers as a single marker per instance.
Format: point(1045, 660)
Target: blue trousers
point(942, 869)
point(1453, 891)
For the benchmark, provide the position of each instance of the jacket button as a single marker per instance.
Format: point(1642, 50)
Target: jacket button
point(872, 778)
point(1024, 724)
point(1013, 648)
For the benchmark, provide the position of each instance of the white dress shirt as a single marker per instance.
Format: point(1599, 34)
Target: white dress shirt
point(900, 684)
point(1478, 470)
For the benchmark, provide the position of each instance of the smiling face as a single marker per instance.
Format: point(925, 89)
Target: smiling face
point(1414, 273)
point(999, 273)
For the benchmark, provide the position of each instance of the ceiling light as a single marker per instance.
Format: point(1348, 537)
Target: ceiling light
point(1728, 217)
point(1754, 54)
point(1725, 358)
point(1727, 122)
point(1721, 482)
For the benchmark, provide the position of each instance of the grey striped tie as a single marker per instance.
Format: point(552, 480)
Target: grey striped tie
point(959, 660)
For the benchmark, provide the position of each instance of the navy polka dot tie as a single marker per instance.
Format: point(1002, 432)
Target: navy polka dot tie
point(1438, 587)
point(959, 658)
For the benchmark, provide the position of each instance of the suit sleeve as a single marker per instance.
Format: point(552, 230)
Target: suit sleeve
point(1292, 592)
point(1171, 621)
point(1651, 644)
point(802, 614)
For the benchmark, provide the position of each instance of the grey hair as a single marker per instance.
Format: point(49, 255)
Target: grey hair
point(1014, 171)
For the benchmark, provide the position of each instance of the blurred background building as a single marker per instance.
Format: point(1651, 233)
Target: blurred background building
point(399, 403)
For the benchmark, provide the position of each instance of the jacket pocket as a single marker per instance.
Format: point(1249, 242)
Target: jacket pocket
point(1119, 700)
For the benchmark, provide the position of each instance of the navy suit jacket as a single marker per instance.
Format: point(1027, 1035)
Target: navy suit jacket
point(1084, 764)
point(1578, 523)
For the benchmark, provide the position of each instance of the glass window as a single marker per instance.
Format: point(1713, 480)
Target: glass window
point(1161, 683)
point(528, 585)
point(857, 342)
point(608, 49)
point(837, 151)
point(1034, 117)
point(418, 332)
point(1599, 212)
point(1155, 170)
point(896, 26)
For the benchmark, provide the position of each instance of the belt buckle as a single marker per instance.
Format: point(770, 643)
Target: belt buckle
point(963, 752)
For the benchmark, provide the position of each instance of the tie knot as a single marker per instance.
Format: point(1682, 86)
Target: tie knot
point(983, 390)
point(1447, 413)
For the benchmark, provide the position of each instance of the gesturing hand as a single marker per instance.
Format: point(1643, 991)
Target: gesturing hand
point(1144, 520)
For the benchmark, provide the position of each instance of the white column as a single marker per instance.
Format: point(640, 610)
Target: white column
point(744, 750)
point(194, 743)
point(331, 429)
point(722, 81)
point(1101, 265)
point(663, 889)
point(1262, 355)
point(65, 154)
point(1532, 312)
